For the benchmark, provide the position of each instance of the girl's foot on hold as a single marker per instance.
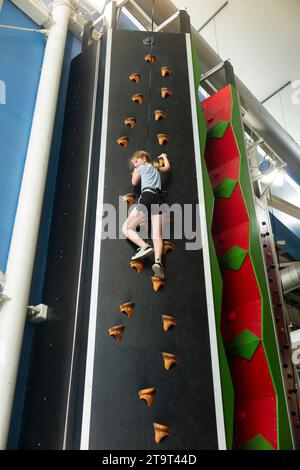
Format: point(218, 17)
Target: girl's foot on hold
point(158, 270)
point(142, 252)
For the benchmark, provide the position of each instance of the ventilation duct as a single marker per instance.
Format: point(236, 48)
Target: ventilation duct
point(290, 278)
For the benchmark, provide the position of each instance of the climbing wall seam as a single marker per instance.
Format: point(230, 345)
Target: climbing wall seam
point(199, 134)
point(86, 415)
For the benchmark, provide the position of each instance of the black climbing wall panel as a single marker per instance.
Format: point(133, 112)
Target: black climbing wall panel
point(54, 393)
point(184, 398)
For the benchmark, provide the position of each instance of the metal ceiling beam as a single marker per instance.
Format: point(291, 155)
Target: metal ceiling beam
point(276, 92)
point(212, 17)
point(284, 206)
point(41, 15)
point(19, 28)
point(143, 16)
point(35, 9)
point(256, 117)
point(167, 22)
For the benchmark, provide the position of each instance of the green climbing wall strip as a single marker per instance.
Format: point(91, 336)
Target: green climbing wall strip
point(201, 120)
point(233, 258)
point(244, 345)
point(225, 188)
point(217, 283)
point(218, 131)
point(257, 443)
point(268, 332)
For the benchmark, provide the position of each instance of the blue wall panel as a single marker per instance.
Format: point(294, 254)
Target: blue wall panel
point(73, 47)
point(281, 232)
point(21, 55)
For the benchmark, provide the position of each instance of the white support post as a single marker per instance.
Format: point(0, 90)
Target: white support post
point(25, 233)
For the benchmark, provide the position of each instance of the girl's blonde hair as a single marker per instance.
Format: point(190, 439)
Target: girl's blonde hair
point(139, 154)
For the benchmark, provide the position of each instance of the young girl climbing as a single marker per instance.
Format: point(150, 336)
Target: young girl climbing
point(148, 204)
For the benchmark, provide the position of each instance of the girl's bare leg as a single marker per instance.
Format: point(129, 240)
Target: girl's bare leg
point(129, 226)
point(156, 222)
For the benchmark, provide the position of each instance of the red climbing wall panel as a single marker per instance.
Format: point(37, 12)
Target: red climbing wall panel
point(255, 404)
point(289, 372)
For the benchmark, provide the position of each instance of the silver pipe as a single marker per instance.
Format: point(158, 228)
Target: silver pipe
point(256, 116)
point(23, 243)
point(290, 277)
point(276, 92)
point(19, 28)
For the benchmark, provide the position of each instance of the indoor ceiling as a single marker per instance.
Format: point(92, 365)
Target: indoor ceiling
point(261, 38)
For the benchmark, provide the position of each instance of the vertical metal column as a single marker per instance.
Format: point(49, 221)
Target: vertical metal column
point(24, 239)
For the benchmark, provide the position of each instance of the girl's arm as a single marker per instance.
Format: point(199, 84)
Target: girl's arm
point(136, 177)
point(167, 165)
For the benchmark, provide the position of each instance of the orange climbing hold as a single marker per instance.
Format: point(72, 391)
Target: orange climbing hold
point(116, 332)
point(130, 198)
point(131, 122)
point(123, 141)
point(157, 283)
point(169, 360)
point(150, 58)
point(163, 139)
point(166, 92)
point(159, 115)
point(161, 162)
point(138, 265)
point(168, 322)
point(135, 77)
point(138, 98)
point(127, 308)
point(167, 246)
point(161, 432)
point(166, 71)
point(148, 395)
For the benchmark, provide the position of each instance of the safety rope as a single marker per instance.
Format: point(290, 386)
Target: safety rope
point(150, 82)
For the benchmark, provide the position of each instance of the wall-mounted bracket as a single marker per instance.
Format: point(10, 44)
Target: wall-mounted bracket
point(38, 313)
point(110, 15)
point(87, 35)
point(228, 69)
point(3, 296)
point(2, 281)
point(184, 22)
point(30, 30)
